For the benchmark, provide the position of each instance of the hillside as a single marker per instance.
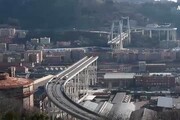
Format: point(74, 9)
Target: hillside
point(82, 14)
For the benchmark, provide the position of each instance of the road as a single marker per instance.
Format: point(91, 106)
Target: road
point(56, 94)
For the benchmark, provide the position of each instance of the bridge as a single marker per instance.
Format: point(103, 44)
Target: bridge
point(119, 33)
point(169, 31)
point(66, 89)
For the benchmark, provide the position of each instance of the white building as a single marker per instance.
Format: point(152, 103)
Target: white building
point(118, 80)
point(7, 32)
point(3, 47)
point(45, 40)
point(34, 40)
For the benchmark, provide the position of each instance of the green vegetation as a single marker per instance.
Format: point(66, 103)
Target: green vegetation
point(50, 14)
point(161, 13)
point(11, 109)
point(144, 41)
point(61, 14)
point(37, 13)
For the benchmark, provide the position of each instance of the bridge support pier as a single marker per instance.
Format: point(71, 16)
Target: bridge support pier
point(142, 32)
point(150, 33)
point(174, 35)
point(167, 35)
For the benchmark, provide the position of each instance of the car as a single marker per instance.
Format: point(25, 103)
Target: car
point(65, 77)
point(53, 81)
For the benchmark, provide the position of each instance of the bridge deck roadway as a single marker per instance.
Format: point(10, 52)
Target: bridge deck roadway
point(80, 68)
point(117, 39)
point(56, 94)
point(154, 28)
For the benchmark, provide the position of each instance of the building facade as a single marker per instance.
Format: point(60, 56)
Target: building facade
point(35, 56)
point(155, 80)
point(17, 88)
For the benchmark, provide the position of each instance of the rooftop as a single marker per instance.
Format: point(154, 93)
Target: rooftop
point(123, 110)
point(7, 82)
point(166, 102)
point(162, 74)
point(119, 75)
point(143, 114)
point(90, 105)
point(118, 98)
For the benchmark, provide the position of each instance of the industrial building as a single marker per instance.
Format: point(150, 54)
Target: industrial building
point(118, 80)
point(17, 88)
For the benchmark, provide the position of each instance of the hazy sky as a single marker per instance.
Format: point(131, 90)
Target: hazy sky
point(168, 0)
point(173, 0)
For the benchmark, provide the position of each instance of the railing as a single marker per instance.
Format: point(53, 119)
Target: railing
point(61, 100)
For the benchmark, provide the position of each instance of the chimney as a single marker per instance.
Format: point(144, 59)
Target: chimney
point(3, 75)
point(12, 71)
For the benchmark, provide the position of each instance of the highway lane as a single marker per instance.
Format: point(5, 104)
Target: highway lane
point(57, 96)
point(79, 69)
point(69, 69)
point(60, 101)
point(74, 106)
point(55, 91)
point(117, 39)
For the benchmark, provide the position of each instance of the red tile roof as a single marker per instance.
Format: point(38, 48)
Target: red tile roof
point(12, 82)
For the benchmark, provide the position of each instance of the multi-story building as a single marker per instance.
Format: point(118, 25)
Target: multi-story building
point(35, 41)
point(118, 80)
point(12, 47)
point(21, 69)
point(20, 48)
point(29, 46)
point(126, 56)
point(45, 40)
point(33, 56)
point(156, 67)
point(11, 59)
point(62, 55)
point(11, 56)
point(3, 47)
point(63, 44)
point(1, 57)
point(163, 80)
point(17, 47)
point(145, 55)
point(54, 60)
point(7, 32)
